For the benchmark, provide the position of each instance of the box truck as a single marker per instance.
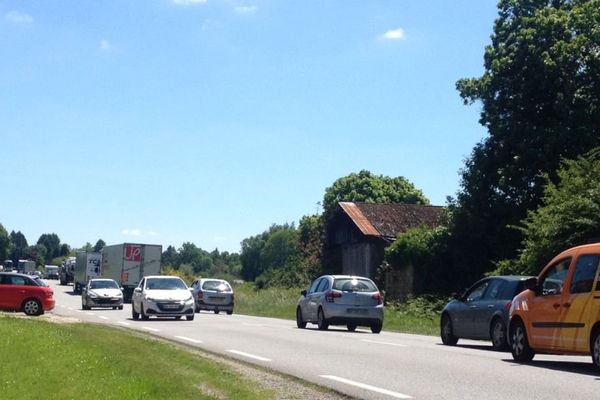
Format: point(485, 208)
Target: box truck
point(65, 271)
point(87, 266)
point(128, 263)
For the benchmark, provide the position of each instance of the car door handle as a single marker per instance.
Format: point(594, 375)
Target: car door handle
point(556, 305)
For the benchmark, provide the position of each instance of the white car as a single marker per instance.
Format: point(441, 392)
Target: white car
point(162, 296)
point(101, 293)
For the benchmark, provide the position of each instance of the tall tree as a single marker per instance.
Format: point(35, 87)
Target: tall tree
point(540, 97)
point(4, 244)
point(99, 245)
point(370, 188)
point(51, 242)
point(18, 246)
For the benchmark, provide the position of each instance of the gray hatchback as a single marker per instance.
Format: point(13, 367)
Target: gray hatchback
point(213, 294)
point(341, 300)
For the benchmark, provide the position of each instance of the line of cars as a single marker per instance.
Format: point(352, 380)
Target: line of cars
point(556, 312)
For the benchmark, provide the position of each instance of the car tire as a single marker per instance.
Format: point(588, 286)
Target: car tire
point(351, 327)
point(134, 314)
point(376, 327)
point(447, 332)
point(498, 335)
point(32, 307)
point(143, 314)
point(519, 345)
point(321, 321)
point(300, 322)
point(120, 307)
point(189, 317)
point(216, 311)
point(595, 348)
point(229, 312)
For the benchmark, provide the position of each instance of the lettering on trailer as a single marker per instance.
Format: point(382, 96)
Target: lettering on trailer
point(133, 253)
point(94, 264)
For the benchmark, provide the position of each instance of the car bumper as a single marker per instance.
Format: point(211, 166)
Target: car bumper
point(48, 304)
point(168, 309)
point(105, 302)
point(200, 305)
point(339, 314)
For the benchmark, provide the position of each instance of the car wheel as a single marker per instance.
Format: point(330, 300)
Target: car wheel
point(229, 312)
point(189, 317)
point(498, 335)
point(300, 322)
point(32, 307)
point(134, 314)
point(447, 334)
point(596, 349)
point(351, 327)
point(519, 344)
point(376, 327)
point(120, 307)
point(142, 313)
point(216, 311)
point(321, 321)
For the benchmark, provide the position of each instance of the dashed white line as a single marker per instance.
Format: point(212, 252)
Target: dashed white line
point(367, 387)
point(241, 353)
point(386, 343)
point(150, 329)
point(89, 313)
point(189, 339)
point(248, 324)
point(103, 317)
point(123, 323)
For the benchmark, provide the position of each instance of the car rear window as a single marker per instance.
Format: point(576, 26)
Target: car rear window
point(354, 285)
point(219, 286)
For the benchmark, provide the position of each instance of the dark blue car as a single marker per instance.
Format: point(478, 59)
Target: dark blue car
point(482, 312)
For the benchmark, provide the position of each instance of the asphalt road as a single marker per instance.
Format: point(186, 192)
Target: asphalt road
point(362, 364)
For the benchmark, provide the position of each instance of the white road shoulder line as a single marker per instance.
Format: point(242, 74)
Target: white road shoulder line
point(241, 353)
point(386, 343)
point(189, 339)
point(123, 323)
point(367, 387)
point(150, 329)
point(103, 317)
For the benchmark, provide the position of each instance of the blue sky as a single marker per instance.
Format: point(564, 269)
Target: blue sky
point(171, 121)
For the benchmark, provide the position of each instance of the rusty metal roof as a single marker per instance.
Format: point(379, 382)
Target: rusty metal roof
point(389, 220)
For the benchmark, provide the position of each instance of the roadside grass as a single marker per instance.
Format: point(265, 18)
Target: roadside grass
point(43, 360)
point(420, 315)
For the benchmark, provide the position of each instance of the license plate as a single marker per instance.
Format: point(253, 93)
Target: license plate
point(170, 306)
point(356, 311)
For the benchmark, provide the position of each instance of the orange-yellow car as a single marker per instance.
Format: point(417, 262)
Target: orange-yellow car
point(560, 311)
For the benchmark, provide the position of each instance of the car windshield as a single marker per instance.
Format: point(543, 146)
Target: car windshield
point(354, 285)
point(103, 285)
point(219, 286)
point(165, 284)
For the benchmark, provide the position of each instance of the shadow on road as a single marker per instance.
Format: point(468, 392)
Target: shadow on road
point(581, 368)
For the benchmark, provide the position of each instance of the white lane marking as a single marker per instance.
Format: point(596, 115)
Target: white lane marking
point(150, 329)
point(89, 313)
point(367, 387)
point(189, 339)
point(123, 323)
point(72, 309)
point(248, 324)
point(102, 317)
point(62, 306)
point(386, 343)
point(241, 353)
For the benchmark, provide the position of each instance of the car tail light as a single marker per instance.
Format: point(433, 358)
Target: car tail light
point(507, 305)
point(332, 294)
point(49, 294)
point(378, 298)
point(200, 296)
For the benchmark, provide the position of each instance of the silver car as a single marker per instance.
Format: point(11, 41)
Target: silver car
point(162, 296)
point(213, 294)
point(341, 300)
point(104, 293)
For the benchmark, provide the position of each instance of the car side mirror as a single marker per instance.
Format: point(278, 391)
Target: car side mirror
point(303, 293)
point(532, 283)
point(191, 289)
point(137, 290)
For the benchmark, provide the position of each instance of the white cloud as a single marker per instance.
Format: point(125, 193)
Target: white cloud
point(131, 232)
point(394, 34)
point(105, 45)
point(188, 2)
point(20, 18)
point(245, 9)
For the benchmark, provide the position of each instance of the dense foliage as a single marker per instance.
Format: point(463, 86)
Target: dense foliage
point(192, 261)
point(540, 97)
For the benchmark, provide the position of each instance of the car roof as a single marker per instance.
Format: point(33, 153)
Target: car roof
point(102, 279)
point(347, 277)
point(161, 276)
point(510, 277)
point(17, 274)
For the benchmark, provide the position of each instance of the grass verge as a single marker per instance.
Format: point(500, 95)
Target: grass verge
point(42, 360)
point(420, 315)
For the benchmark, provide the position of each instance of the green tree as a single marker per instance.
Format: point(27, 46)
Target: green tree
point(540, 97)
point(310, 244)
point(199, 259)
point(255, 261)
point(4, 244)
point(18, 246)
point(99, 245)
point(36, 253)
point(65, 249)
point(369, 188)
point(570, 215)
point(51, 242)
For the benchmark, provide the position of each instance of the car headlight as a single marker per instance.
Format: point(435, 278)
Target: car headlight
point(149, 298)
point(119, 294)
point(189, 300)
point(93, 295)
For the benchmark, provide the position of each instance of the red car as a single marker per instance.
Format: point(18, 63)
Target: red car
point(25, 293)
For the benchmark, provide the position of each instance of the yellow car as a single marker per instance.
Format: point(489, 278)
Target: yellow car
point(560, 311)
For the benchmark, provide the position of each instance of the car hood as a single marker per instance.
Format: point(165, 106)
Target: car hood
point(107, 292)
point(159, 294)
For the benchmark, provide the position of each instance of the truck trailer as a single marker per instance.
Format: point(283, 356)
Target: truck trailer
point(87, 266)
point(128, 263)
point(66, 270)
